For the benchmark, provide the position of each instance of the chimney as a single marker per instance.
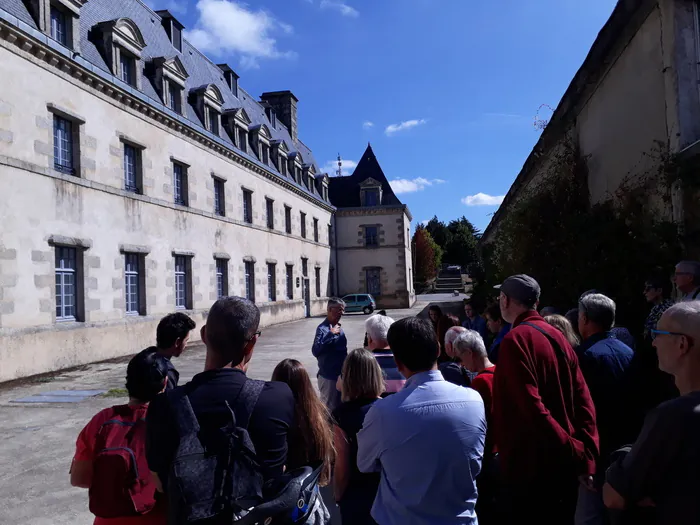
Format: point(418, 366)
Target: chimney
point(284, 103)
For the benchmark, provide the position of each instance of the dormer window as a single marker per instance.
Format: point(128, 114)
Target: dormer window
point(208, 102)
point(172, 27)
point(279, 156)
point(122, 45)
point(170, 77)
point(230, 77)
point(371, 193)
point(59, 19)
point(372, 197)
point(177, 38)
point(309, 177)
point(236, 122)
point(295, 166)
point(260, 141)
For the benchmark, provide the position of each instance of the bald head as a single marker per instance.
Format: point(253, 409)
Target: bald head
point(685, 318)
point(450, 337)
point(677, 343)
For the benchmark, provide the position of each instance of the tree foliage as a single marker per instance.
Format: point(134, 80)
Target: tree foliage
point(458, 240)
point(428, 255)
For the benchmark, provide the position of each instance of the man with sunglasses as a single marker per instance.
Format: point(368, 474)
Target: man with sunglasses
point(662, 469)
point(687, 280)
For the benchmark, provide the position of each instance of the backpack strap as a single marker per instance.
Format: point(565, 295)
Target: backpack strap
point(558, 349)
point(247, 399)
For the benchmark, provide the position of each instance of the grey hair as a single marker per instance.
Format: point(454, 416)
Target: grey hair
point(692, 267)
point(599, 309)
point(377, 326)
point(335, 301)
point(452, 334)
point(469, 340)
point(686, 316)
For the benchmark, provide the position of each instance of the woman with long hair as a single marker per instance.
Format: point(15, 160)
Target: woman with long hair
point(361, 384)
point(311, 439)
point(446, 322)
point(562, 324)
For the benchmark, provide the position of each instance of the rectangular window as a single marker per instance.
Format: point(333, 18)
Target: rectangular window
point(302, 220)
point(408, 237)
point(248, 206)
point(219, 197)
point(315, 230)
point(372, 197)
point(63, 145)
point(330, 235)
point(305, 179)
point(304, 267)
point(270, 213)
point(242, 140)
point(373, 281)
point(66, 283)
point(132, 169)
point(175, 97)
point(177, 38)
point(318, 282)
point(132, 283)
point(180, 183)
point(221, 278)
point(250, 280)
point(59, 26)
point(265, 154)
point(371, 237)
point(127, 68)
point(182, 282)
point(287, 219)
point(290, 282)
point(271, 282)
point(283, 165)
point(213, 120)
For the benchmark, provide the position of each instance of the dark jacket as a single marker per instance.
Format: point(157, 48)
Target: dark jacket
point(330, 349)
point(543, 415)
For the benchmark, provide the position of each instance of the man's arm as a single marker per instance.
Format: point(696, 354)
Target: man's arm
point(321, 340)
point(369, 442)
point(586, 429)
point(81, 473)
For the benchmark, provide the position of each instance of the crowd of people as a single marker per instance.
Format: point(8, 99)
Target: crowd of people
point(515, 414)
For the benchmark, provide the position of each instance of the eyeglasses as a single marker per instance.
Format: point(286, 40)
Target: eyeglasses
point(664, 332)
point(256, 334)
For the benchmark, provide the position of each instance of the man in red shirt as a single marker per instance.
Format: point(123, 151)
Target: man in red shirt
point(543, 415)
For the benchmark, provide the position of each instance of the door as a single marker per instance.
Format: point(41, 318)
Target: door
point(307, 298)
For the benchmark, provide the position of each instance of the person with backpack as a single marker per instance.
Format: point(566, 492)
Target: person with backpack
point(110, 457)
point(214, 442)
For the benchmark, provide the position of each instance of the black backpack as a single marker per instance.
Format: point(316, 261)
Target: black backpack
point(220, 482)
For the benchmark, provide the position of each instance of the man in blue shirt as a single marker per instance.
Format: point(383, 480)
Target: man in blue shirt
point(606, 364)
point(474, 321)
point(330, 349)
point(427, 441)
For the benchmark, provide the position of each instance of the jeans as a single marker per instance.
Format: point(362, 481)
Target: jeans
point(328, 393)
point(590, 509)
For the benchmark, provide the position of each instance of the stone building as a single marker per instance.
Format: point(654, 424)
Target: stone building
point(633, 105)
point(372, 238)
point(138, 178)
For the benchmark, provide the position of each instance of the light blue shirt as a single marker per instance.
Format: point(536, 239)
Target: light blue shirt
point(427, 441)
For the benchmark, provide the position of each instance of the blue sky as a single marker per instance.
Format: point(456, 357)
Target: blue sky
point(445, 90)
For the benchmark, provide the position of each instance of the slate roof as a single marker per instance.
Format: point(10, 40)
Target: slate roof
point(200, 69)
point(344, 192)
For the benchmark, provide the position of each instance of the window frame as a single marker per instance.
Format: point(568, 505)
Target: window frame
point(271, 282)
point(183, 198)
point(317, 272)
point(134, 303)
point(374, 192)
point(65, 132)
point(247, 206)
point(305, 267)
point(62, 18)
point(137, 167)
point(270, 213)
point(63, 271)
point(378, 291)
point(371, 240)
point(182, 266)
point(242, 139)
point(221, 277)
point(219, 196)
point(302, 223)
point(128, 74)
point(288, 219)
point(290, 281)
point(249, 280)
point(315, 229)
point(174, 96)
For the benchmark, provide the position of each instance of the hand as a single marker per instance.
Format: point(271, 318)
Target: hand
point(335, 330)
point(587, 482)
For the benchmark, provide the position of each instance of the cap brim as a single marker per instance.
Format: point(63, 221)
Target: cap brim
point(497, 287)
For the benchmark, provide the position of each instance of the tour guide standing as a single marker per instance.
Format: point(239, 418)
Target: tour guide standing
point(331, 349)
point(544, 419)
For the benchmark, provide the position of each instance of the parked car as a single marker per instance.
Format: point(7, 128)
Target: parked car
point(361, 302)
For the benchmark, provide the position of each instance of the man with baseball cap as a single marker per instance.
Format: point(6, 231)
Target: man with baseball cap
point(543, 415)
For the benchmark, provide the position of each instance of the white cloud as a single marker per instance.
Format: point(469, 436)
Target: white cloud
point(229, 26)
point(331, 167)
point(343, 8)
point(482, 199)
point(412, 185)
point(367, 124)
point(407, 124)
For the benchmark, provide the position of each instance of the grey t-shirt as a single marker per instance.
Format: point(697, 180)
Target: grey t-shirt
point(664, 463)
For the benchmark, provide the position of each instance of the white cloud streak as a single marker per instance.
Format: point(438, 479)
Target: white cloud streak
point(412, 185)
point(483, 199)
point(367, 124)
point(230, 26)
point(343, 8)
point(391, 129)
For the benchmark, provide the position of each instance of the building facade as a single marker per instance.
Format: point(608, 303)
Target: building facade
point(633, 106)
point(372, 236)
point(138, 178)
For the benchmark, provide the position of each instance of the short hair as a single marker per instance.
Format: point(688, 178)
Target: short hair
point(414, 343)
point(362, 376)
point(599, 309)
point(660, 281)
point(231, 323)
point(452, 333)
point(173, 327)
point(686, 316)
point(470, 340)
point(334, 302)
point(145, 375)
point(494, 312)
point(377, 326)
point(692, 267)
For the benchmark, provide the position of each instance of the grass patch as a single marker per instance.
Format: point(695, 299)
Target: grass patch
point(116, 392)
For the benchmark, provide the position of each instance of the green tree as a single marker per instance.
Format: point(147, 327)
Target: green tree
point(439, 232)
point(462, 246)
point(428, 255)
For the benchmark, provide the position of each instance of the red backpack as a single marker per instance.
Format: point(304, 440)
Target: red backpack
point(121, 481)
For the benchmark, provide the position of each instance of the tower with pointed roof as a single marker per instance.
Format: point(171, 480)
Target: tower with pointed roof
point(372, 252)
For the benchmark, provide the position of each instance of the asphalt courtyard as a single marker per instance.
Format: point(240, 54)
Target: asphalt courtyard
point(38, 439)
